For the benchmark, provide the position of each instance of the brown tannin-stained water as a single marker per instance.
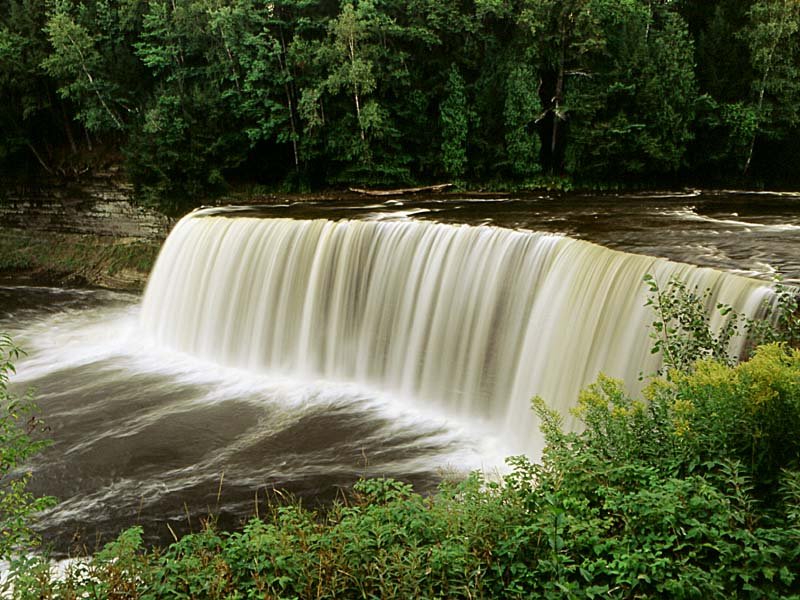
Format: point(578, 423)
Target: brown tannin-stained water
point(319, 343)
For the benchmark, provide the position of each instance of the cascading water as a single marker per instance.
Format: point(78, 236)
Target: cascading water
point(475, 319)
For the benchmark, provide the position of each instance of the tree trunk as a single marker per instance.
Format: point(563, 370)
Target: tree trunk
point(39, 158)
point(290, 104)
point(558, 94)
point(777, 39)
point(759, 106)
point(86, 72)
point(68, 129)
point(352, 45)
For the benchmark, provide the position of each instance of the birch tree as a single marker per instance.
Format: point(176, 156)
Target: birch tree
point(77, 63)
point(773, 41)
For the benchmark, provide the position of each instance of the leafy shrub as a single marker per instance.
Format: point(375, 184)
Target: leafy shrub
point(682, 330)
point(689, 494)
point(18, 426)
point(783, 321)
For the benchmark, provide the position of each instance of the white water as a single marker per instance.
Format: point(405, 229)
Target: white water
point(472, 320)
point(689, 213)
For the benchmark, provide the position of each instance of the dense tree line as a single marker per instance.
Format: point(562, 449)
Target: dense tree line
point(195, 94)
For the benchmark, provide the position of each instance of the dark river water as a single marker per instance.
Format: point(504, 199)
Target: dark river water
point(755, 234)
point(146, 436)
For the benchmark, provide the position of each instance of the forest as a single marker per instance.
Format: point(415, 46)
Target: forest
point(193, 96)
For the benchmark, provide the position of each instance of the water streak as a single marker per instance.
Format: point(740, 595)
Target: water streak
point(474, 319)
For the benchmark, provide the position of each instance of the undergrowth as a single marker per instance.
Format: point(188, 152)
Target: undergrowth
point(18, 442)
point(74, 257)
point(692, 491)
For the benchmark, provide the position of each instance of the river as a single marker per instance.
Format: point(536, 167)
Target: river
point(148, 433)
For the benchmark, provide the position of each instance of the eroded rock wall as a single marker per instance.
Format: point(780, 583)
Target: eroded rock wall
point(101, 205)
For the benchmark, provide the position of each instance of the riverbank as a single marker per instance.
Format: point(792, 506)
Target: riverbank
point(70, 259)
point(147, 441)
point(87, 231)
point(95, 233)
point(676, 500)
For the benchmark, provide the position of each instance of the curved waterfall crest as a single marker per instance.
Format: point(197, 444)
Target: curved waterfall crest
point(476, 319)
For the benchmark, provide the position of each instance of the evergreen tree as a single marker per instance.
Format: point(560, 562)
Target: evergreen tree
point(454, 126)
point(521, 113)
point(637, 108)
point(195, 93)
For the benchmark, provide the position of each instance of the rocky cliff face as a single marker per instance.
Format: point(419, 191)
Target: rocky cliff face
point(86, 232)
point(101, 205)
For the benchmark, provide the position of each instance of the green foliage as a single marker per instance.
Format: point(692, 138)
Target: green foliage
point(18, 442)
point(192, 127)
point(691, 492)
point(197, 92)
point(455, 124)
point(635, 106)
point(77, 62)
point(305, 93)
point(772, 39)
point(782, 324)
point(686, 494)
point(385, 542)
point(684, 331)
point(349, 100)
point(732, 127)
point(520, 113)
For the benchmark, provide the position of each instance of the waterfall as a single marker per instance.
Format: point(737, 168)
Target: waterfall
point(475, 319)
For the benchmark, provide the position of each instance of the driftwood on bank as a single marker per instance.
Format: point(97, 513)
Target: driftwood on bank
point(402, 191)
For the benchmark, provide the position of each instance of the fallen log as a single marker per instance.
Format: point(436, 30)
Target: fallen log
point(403, 191)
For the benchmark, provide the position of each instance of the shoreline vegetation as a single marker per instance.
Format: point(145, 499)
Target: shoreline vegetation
point(196, 98)
point(692, 493)
point(70, 259)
